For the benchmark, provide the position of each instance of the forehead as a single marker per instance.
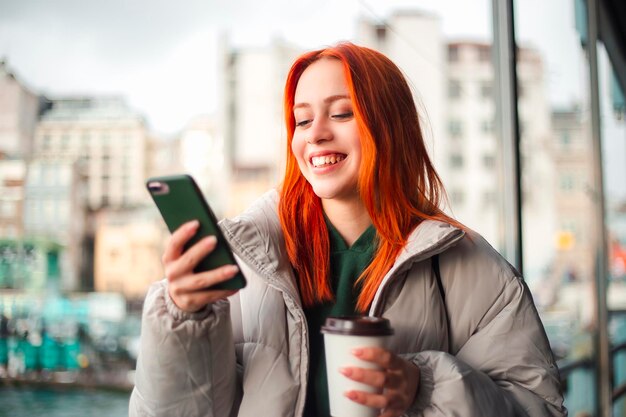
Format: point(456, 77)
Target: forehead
point(321, 79)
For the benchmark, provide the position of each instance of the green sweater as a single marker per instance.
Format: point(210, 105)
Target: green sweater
point(346, 265)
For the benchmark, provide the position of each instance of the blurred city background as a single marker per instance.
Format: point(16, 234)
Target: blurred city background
point(95, 98)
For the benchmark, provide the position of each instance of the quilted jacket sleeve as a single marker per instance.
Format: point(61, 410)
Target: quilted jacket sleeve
point(186, 364)
point(505, 367)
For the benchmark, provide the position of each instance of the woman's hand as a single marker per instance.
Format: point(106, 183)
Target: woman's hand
point(398, 378)
point(186, 288)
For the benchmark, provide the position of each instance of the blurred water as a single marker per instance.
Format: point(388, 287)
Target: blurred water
point(36, 402)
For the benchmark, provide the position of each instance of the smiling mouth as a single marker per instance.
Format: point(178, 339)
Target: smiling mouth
point(327, 160)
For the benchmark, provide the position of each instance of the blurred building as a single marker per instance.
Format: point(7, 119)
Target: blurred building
point(29, 265)
point(453, 89)
point(19, 112)
point(576, 232)
point(12, 176)
point(539, 171)
point(251, 118)
point(128, 250)
point(163, 156)
point(54, 209)
point(414, 41)
point(202, 156)
point(110, 139)
point(473, 170)
point(197, 150)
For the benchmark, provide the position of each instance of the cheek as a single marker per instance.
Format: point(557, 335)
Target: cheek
point(297, 148)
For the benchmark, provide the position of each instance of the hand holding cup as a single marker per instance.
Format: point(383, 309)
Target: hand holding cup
point(363, 376)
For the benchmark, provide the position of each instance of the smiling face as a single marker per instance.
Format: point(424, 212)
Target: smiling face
point(326, 141)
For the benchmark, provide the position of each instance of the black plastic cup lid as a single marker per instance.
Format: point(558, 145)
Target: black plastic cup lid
point(357, 326)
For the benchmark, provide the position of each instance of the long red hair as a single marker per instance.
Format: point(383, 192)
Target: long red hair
point(397, 181)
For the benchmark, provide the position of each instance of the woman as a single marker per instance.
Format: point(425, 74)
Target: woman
point(354, 228)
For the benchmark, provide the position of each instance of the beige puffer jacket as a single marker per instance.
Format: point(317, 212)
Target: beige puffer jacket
point(248, 356)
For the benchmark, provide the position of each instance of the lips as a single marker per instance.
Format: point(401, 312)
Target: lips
point(327, 159)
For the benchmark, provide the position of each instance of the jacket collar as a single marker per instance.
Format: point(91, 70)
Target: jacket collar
point(429, 238)
point(256, 237)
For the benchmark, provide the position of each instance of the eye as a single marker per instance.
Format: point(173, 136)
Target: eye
point(342, 116)
point(303, 123)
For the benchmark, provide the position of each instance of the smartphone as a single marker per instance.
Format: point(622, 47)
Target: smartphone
point(180, 200)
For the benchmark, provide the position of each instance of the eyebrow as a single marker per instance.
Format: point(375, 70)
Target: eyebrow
point(327, 100)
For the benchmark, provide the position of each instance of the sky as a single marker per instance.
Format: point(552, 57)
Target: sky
point(162, 57)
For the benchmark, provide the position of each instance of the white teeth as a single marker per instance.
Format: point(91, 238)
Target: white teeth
point(319, 161)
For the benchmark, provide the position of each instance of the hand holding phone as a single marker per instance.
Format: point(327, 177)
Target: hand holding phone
point(192, 291)
point(199, 263)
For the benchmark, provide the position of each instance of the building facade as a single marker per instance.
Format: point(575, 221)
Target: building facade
point(473, 168)
point(12, 176)
point(202, 155)
point(128, 248)
point(19, 112)
point(453, 90)
point(250, 118)
point(414, 41)
point(54, 210)
point(108, 137)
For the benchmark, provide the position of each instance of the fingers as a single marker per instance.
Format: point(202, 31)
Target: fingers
point(379, 356)
point(196, 282)
point(369, 400)
point(193, 302)
point(177, 241)
point(187, 289)
point(373, 377)
point(189, 292)
point(397, 379)
point(188, 260)
point(391, 404)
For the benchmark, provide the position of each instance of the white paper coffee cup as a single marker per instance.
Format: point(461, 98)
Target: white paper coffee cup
point(341, 336)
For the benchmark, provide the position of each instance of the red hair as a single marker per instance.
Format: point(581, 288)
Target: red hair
point(397, 181)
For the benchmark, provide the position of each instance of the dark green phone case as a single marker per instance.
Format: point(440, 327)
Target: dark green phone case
point(180, 200)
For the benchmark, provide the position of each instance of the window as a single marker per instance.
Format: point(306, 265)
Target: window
point(46, 141)
point(49, 211)
point(8, 208)
point(10, 231)
point(565, 138)
point(65, 142)
point(489, 161)
point(567, 182)
point(454, 89)
point(489, 198)
point(453, 53)
point(43, 174)
point(487, 126)
point(570, 225)
point(381, 33)
point(486, 89)
point(456, 161)
point(484, 53)
point(457, 197)
point(85, 138)
point(63, 209)
point(106, 163)
point(455, 128)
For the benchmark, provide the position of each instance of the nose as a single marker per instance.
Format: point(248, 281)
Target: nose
point(319, 131)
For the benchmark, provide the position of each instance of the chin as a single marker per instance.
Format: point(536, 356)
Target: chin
point(333, 194)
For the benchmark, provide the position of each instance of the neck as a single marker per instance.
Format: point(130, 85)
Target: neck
point(350, 218)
